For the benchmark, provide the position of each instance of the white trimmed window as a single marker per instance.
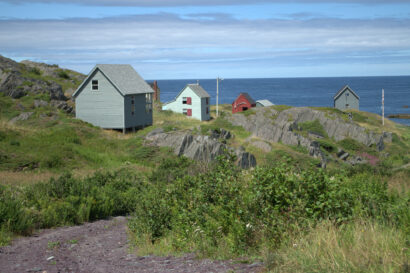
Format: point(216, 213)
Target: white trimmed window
point(94, 85)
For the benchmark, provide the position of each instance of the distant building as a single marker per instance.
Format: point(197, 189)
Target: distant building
point(242, 103)
point(192, 101)
point(114, 96)
point(157, 91)
point(346, 98)
point(263, 103)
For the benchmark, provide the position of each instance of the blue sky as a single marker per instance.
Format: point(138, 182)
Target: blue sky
point(166, 39)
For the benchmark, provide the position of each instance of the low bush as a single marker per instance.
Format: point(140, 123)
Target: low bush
point(223, 214)
point(313, 127)
point(350, 144)
point(67, 200)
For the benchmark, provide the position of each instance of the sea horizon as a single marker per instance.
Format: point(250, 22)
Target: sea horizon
point(306, 91)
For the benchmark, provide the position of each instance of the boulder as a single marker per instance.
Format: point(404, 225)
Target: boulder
point(40, 103)
point(342, 155)
point(62, 105)
point(221, 134)
point(56, 92)
point(197, 147)
point(22, 116)
point(262, 145)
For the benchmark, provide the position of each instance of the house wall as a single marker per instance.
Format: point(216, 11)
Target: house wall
point(140, 117)
point(204, 105)
point(240, 103)
point(197, 105)
point(342, 100)
point(104, 108)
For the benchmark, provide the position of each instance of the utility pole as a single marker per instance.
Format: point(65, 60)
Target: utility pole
point(217, 94)
point(383, 106)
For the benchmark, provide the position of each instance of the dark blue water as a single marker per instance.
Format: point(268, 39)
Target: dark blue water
point(306, 91)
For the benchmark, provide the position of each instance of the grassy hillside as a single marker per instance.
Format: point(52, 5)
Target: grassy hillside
point(56, 170)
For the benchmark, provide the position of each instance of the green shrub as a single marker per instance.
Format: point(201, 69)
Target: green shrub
point(35, 71)
point(62, 74)
point(313, 127)
point(350, 144)
point(327, 145)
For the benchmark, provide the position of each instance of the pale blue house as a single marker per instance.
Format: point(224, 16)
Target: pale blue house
point(346, 98)
point(192, 101)
point(114, 96)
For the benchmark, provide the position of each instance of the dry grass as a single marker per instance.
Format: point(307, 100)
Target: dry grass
point(400, 182)
point(24, 178)
point(356, 247)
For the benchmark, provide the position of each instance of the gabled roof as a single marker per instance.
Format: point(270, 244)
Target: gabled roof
point(248, 98)
point(122, 76)
point(341, 91)
point(196, 88)
point(265, 102)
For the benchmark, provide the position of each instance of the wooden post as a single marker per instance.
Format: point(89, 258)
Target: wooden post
point(123, 131)
point(383, 106)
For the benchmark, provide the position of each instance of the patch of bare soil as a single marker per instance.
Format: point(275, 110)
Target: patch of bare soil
point(100, 246)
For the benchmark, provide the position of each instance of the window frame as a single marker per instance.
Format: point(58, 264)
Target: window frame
point(94, 85)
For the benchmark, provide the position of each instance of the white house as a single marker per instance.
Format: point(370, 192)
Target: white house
point(192, 101)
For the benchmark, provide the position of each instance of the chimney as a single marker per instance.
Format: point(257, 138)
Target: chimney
point(156, 91)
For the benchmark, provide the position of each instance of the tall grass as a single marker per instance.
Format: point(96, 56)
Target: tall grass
point(360, 246)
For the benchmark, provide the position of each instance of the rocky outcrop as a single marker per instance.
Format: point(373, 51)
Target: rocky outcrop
point(20, 79)
point(271, 125)
point(198, 147)
point(274, 126)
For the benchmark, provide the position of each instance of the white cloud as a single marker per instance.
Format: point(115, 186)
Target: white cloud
point(165, 45)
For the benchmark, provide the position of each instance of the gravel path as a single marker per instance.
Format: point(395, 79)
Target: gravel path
point(100, 246)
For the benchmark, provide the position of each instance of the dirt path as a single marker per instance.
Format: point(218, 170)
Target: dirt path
point(98, 247)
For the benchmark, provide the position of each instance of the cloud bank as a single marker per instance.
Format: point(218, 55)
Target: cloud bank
point(171, 3)
point(167, 45)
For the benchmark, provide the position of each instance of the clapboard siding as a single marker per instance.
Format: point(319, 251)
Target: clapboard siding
point(140, 117)
point(198, 104)
point(105, 107)
point(346, 100)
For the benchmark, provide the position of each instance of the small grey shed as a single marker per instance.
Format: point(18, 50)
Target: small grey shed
point(263, 103)
point(114, 96)
point(346, 98)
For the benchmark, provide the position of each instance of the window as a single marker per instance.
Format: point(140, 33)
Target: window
point(94, 85)
point(186, 100)
point(148, 103)
point(207, 110)
point(184, 111)
point(207, 101)
point(132, 100)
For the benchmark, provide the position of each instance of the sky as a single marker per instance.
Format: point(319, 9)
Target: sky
point(198, 39)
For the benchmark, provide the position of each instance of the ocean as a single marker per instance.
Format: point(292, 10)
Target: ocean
point(306, 91)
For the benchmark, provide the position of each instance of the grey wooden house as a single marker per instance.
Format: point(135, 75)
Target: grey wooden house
point(114, 96)
point(346, 98)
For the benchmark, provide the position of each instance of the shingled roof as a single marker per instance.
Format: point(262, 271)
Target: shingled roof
point(123, 77)
point(199, 90)
point(246, 95)
point(340, 92)
point(196, 88)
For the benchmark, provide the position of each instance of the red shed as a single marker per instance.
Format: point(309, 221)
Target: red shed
point(242, 103)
